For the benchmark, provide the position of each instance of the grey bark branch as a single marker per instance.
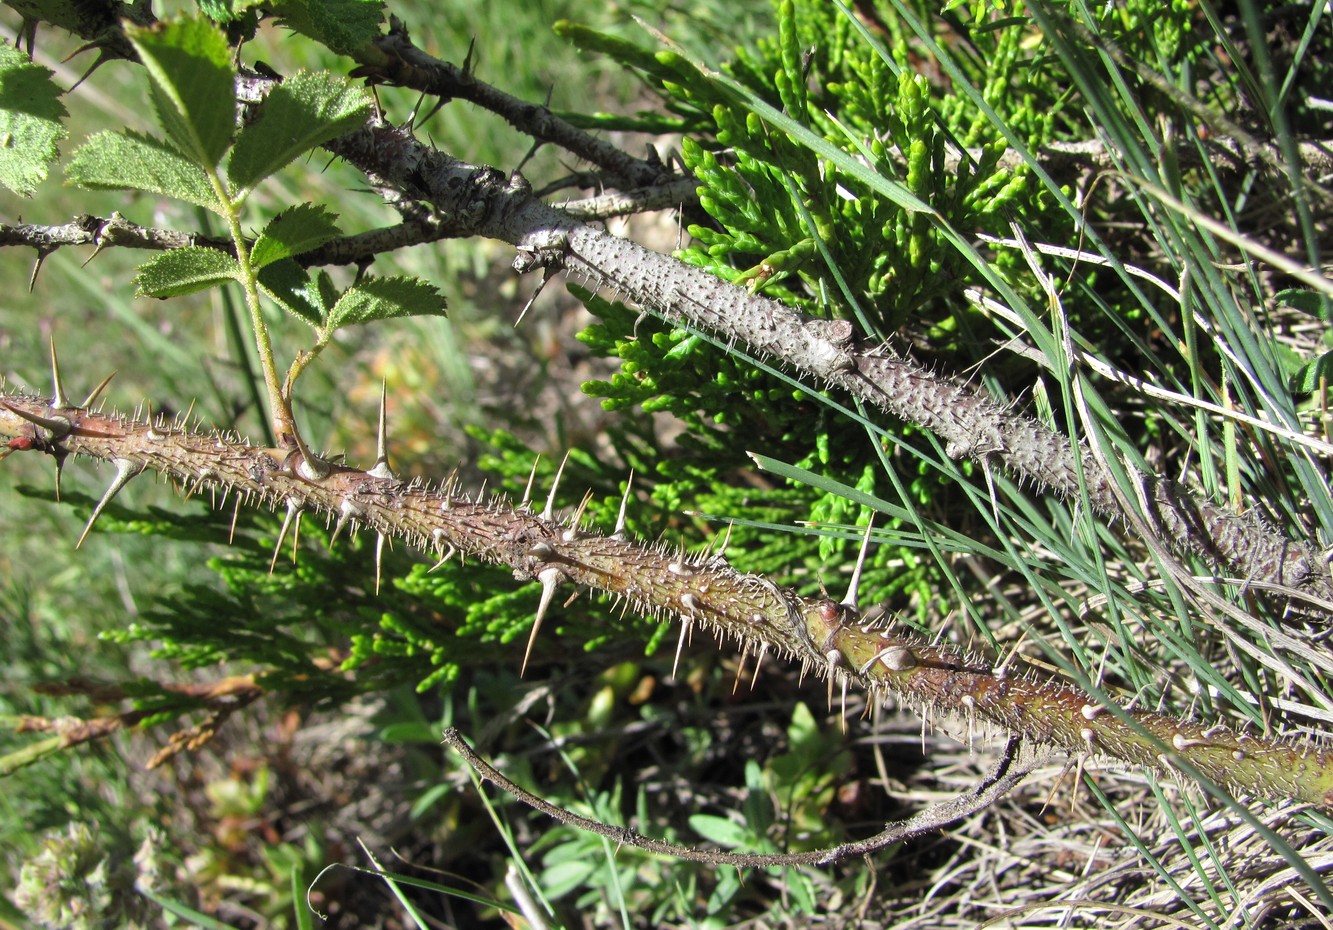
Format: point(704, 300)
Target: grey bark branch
point(1008, 772)
point(483, 201)
point(401, 63)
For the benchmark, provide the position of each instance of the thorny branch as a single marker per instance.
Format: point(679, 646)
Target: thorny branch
point(702, 592)
point(483, 201)
point(1008, 771)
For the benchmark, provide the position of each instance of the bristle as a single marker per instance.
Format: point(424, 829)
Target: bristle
point(550, 579)
point(125, 470)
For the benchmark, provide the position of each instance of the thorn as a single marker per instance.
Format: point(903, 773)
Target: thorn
point(550, 579)
point(58, 398)
point(548, 513)
point(619, 532)
point(37, 266)
point(448, 554)
point(382, 469)
point(842, 715)
point(347, 512)
point(235, 515)
point(58, 427)
point(759, 660)
point(379, 557)
point(685, 628)
point(311, 466)
point(547, 274)
point(293, 517)
point(850, 601)
point(59, 454)
point(726, 540)
point(573, 532)
point(125, 470)
point(526, 502)
point(740, 671)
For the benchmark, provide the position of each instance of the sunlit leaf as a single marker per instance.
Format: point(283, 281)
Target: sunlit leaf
point(30, 121)
point(293, 231)
point(184, 271)
point(128, 161)
point(386, 298)
point(192, 87)
point(300, 113)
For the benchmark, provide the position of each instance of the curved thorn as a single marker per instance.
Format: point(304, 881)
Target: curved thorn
point(550, 579)
point(448, 554)
point(293, 516)
point(58, 398)
point(726, 540)
point(125, 470)
point(852, 589)
point(59, 427)
point(548, 512)
point(314, 467)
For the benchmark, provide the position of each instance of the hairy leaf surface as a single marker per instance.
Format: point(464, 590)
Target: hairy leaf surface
point(129, 161)
point(303, 111)
point(192, 82)
point(293, 231)
point(384, 299)
point(184, 271)
point(30, 121)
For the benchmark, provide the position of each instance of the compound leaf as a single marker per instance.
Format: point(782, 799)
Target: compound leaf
point(30, 121)
point(192, 85)
point(129, 161)
point(184, 271)
point(300, 113)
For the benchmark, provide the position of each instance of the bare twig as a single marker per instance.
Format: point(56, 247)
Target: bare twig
point(1003, 778)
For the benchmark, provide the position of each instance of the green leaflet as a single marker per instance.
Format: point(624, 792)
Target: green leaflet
point(292, 287)
point(305, 110)
point(384, 299)
point(30, 121)
point(295, 230)
point(342, 25)
point(184, 271)
point(189, 65)
point(130, 161)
